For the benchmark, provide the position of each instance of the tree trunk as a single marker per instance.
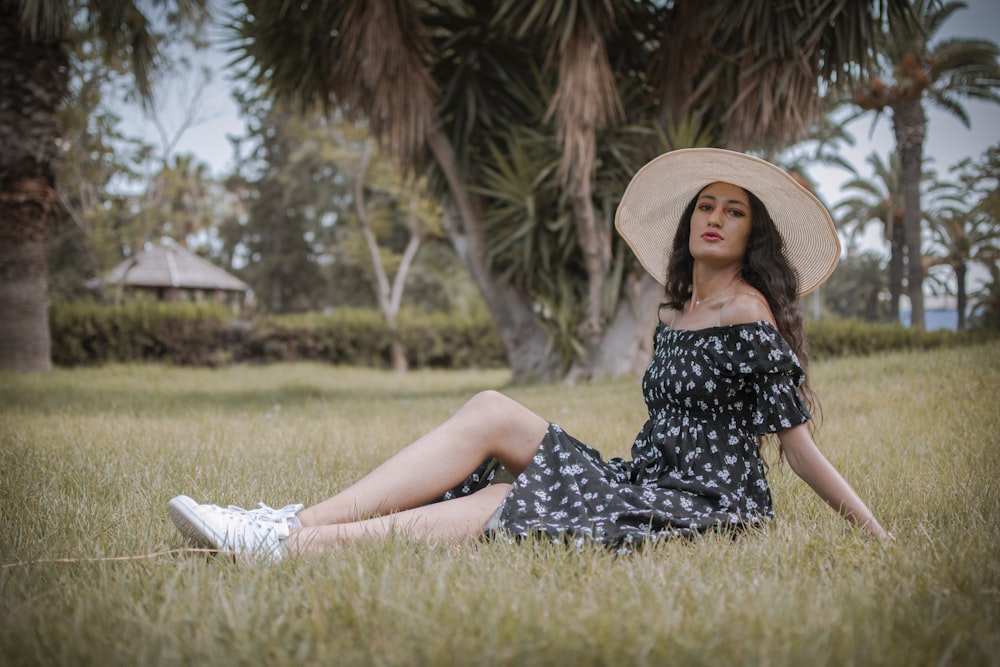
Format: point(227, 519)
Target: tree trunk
point(24, 323)
point(627, 344)
point(871, 307)
point(897, 250)
point(596, 250)
point(33, 81)
point(909, 125)
point(623, 346)
point(397, 354)
point(961, 295)
point(525, 342)
point(390, 297)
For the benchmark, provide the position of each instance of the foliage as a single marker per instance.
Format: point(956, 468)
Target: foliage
point(914, 67)
point(831, 337)
point(91, 456)
point(180, 333)
point(293, 235)
point(288, 191)
point(89, 231)
point(452, 87)
point(205, 335)
point(117, 192)
point(964, 222)
point(986, 302)
point(208, 335)
point(858, 288)
point(879, 199)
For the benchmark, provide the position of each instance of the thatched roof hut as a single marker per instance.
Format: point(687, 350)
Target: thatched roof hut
point(174, 272)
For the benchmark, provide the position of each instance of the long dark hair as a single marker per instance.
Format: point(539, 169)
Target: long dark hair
point(765, 268)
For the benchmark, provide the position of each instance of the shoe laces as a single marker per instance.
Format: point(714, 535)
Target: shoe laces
point(268, 514)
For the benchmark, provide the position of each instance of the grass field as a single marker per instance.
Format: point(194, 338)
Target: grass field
point(89, 458)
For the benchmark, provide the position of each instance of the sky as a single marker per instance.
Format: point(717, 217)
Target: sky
point(948, 141)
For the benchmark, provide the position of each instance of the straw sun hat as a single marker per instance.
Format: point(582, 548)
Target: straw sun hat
point(651, 208)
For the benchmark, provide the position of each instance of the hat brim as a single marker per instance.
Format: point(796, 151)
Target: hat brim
point(651, 209)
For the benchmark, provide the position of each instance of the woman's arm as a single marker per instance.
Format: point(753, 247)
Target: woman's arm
point(810, 464)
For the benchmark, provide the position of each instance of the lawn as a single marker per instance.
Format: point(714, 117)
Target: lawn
point(89, 458)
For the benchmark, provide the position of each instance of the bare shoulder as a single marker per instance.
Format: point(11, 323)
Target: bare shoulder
point(668, 315)
point(746, 307)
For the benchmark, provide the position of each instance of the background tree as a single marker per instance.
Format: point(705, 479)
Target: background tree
point(858, 288)
point(985, 303)
point(914, 69)
point(34, 64)
point(380, 196)
point(95, 166)
point(289, 196)
point(964, 223)
point(879, 199)
point(448, 81)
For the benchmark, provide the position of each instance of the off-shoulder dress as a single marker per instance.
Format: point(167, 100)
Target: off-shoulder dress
point(694, 466)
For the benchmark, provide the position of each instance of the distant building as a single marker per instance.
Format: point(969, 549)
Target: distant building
point(171, 272)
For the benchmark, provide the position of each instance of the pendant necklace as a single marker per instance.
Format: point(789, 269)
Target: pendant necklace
point(697, 302)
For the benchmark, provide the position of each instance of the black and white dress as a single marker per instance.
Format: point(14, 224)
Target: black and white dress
point(695, 464)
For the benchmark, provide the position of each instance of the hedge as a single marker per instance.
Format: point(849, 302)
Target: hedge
point(179, 333)
point(833, 337)
point(208, 335)
point(190, 334)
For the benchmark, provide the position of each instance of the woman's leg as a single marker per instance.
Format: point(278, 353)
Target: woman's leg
point(451, 521)
point(490, 424)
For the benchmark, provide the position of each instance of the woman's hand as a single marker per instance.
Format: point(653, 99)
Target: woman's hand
point(815, 470)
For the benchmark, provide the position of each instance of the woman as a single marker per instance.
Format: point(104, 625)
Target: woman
point(727, 368)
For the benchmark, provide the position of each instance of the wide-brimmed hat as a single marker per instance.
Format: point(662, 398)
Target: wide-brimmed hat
point(651, 209)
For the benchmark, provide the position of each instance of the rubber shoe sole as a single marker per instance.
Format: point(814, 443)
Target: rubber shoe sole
point(183, 512)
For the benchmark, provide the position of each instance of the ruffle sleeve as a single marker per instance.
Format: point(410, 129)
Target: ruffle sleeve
point(772, 371)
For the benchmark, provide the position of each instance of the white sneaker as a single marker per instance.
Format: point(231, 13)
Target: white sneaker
point(265, 513)
point(259, 533)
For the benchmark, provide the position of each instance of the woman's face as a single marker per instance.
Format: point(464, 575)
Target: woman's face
point(720, 224)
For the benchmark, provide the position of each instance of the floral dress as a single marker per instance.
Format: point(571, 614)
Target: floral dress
point(694, 466)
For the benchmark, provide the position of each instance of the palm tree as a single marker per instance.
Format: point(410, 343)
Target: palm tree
point(454, 80)
point(34, 38)
point(986, 302)
point(878, 199)
point(945, 73)
point(964, 229)
point(857, 286)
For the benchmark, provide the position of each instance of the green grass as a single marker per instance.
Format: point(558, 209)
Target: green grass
point(89, 458)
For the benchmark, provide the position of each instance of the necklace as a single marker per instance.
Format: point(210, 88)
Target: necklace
point(698, 302)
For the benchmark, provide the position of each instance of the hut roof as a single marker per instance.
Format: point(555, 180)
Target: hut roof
point(168, 264)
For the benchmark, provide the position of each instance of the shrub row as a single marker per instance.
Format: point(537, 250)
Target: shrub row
point(837, 337)
point(190, 334)
point(207, 335)
point(181, 333)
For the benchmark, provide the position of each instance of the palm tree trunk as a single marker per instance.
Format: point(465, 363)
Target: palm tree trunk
point(909, 125)
point(871, 306)
point(32, 84)
point(525, 342)
point(897, 250)
point(962, 297)
point(596, 249)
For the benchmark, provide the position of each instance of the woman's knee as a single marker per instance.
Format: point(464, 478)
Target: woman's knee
point(506, 429)
point(490, 401)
